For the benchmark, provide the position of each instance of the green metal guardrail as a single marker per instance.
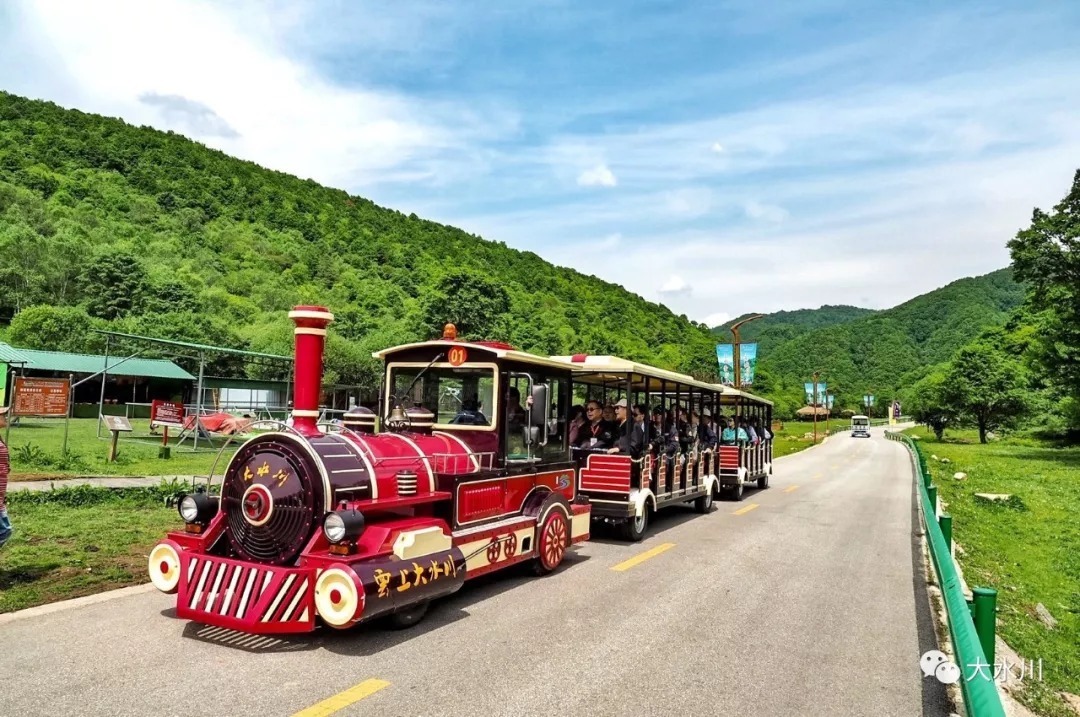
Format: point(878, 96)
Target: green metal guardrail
point(971, 625)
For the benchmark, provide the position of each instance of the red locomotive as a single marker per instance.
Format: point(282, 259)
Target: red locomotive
point(344, 525)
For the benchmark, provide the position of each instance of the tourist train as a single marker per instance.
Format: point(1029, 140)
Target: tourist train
point(466, 468)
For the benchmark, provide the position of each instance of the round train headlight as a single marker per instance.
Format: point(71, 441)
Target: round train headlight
point(197, 508)
point(334, 527)
point(189, 509)
point(343, 525)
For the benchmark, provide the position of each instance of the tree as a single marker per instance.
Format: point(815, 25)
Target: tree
point(114, 283)
point(985, 385)
point(55, 328)
point(477, 306)
point(1047, 256)
point(928, 404)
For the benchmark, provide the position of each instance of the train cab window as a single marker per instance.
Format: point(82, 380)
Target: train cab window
point(528, 438)
point(557, 419)
point(460, 397)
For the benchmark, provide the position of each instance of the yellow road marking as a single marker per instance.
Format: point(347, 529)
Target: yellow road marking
point(627, 564)
point(343, 699)
point(791, 488)
point(747, 509)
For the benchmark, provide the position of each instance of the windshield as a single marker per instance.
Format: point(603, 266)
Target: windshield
point(861, 422)
point(463, 396)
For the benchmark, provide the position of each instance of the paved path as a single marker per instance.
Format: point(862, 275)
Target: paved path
point(804, 602)
point(101, 481)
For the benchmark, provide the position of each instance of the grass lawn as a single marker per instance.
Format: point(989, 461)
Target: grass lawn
point(36, 449)
point(77, 541)
point(1028, 550)
point(798, 435)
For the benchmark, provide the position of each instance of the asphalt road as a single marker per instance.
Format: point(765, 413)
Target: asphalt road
point(807, 603)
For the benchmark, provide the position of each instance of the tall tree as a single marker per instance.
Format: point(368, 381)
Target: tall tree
point(985, 385)
point(928, 402)
point(477, 306)
point(1047, 256)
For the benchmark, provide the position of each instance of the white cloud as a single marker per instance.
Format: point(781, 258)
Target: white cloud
point(718, 318)
point(208, 71)
point(675, 285)
point(717, 147)
point(598, 176)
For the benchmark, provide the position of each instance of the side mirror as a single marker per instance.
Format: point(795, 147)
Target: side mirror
point(539, 409)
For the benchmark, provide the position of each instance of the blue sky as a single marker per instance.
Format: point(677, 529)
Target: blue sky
point(716, 157)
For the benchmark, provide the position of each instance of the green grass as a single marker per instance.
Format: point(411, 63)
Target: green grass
point(78, 541)
point(36, 448)
point(799, 435)
point(1028, 549)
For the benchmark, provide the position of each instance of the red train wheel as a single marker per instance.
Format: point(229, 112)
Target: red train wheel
point(552, 542)
point(511, 545)
point(493, 551)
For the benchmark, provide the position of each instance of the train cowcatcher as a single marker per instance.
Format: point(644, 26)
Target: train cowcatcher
point(316, 523)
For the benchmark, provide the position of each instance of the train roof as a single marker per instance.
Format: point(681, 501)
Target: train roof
point(497, 348)
point(614, 367)
point(606, 367)
point(734, 392)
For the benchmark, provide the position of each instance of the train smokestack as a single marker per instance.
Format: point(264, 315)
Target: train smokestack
point(310, 332)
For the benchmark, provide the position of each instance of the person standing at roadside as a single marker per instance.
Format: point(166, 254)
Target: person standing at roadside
point(5, 469)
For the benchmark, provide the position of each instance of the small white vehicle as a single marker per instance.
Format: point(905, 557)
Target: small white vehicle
point(860, 426)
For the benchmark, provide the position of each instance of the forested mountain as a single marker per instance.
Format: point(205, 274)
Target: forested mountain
point(884, 351)
point(107, 224)
point(774, 329)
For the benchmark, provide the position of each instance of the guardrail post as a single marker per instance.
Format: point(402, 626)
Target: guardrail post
point(931, 490)
point(985, 614)
point(945, 521)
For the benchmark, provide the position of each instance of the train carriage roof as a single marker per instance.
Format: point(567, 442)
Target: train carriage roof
point(493, 348)
point(613, 368)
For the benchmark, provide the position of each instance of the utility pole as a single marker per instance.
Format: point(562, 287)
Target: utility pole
point(816, 373)
point(735, 347)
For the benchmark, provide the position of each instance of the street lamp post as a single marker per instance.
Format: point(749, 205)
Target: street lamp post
point(735, 347)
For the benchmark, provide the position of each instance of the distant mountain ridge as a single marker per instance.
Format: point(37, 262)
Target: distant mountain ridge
point(774, 329)
point(859, 350)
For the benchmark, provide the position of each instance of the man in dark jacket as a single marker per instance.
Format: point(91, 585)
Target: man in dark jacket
point(597, 434)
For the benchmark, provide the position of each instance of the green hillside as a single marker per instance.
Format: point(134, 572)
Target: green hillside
point(107, 224)
point(886, 350)
point(776, 328)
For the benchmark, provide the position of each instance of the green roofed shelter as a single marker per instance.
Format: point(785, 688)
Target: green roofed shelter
point(11, 355)
point(63, 362)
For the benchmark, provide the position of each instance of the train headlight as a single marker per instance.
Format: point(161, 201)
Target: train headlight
point(189, 509)
point(197, 508)
point(343, 525)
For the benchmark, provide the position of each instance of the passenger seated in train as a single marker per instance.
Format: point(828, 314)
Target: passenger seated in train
point(751, 434)
point(664, 436)
point(577, 422)
point(762, 431)
point(470, 414)
point(597, 433)
point(732, 435)
point(631, 431)
point(707, 438)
